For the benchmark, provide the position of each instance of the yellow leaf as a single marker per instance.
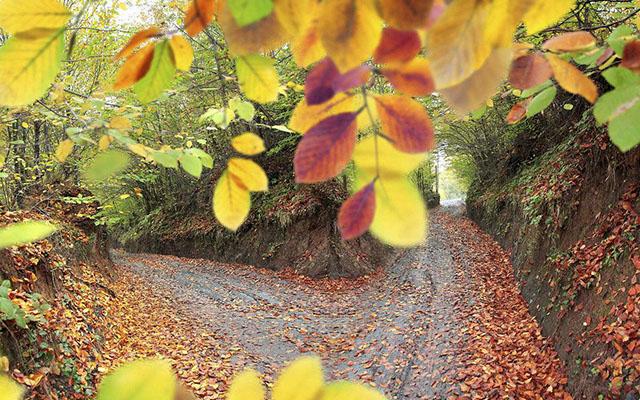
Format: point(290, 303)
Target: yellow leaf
point(391, 163)
point(295, 15)
point(124, 196)
point(249, 174)
point(25, 125)
point(28, 67)
point(262, 36)
point(572, 79)
point(304, 117)
point(246, 386)
point(400, 218)
point(457, 43)
point(248, 144)
point(182, 52)
point(231, 202)
point(104, 142)
point(301, 380)
point(344, 390)
point(140, 380)
point(64, 150)
point(258, 78)
point(307, 47)
point(21, 16)
point(139, 149)
point(4, 364)
point(350, 31)
point(120, 123)
point(475, 90)
point(545, 13)
point(9, 389)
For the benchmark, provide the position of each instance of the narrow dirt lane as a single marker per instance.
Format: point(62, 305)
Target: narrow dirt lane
point(444, 321)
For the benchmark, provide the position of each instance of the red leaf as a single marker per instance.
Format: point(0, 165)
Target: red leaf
point(406, 123)
point(397, 46)
point(352, 79)
point(324, 81)
point(356, 214)
point(631, 55)
point(318, 87)
point(529, 71)
point(326, 149)
point(413, 79)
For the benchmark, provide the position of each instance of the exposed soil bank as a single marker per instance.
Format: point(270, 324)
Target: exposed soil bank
point(288, 228)
point(566, 205)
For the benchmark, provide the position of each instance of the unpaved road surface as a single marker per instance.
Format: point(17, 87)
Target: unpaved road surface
point(444, 321)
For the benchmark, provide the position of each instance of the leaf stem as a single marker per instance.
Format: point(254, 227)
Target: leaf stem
point(376, 132)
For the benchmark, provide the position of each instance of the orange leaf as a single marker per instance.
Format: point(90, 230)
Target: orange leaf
point(406, 123)
point(529, 71)
point(137, 40)
point(571, 41)
point(356, 214)
point(518, 111)
point(413, 79)
point(261, 36)
point(326, 149)
point(135, 68)
point(572, 79)
point(405, 14)
point(397, 46)
point(307, 48)
point(199, 15)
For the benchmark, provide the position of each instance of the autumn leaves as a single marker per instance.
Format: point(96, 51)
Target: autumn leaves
point(368, 61)
point(32, 57)
point(151, 69)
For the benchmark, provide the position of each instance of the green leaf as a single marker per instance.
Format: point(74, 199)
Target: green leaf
point(624, 130)
point(28, 67)
point(20, 319)
point(105, 165)
point(165, 159)
point(205, 159)
point(589, 58)
point(619, 77)
point(613, 103)
point(477, 114)
point(246, 111)
point(536, 89)
point(191, 164)
point(139, 380)
point(25, 232)
point(619, 37)
point(541, 101)
point(160, 74)
point(246, 12)
point(8, 309)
